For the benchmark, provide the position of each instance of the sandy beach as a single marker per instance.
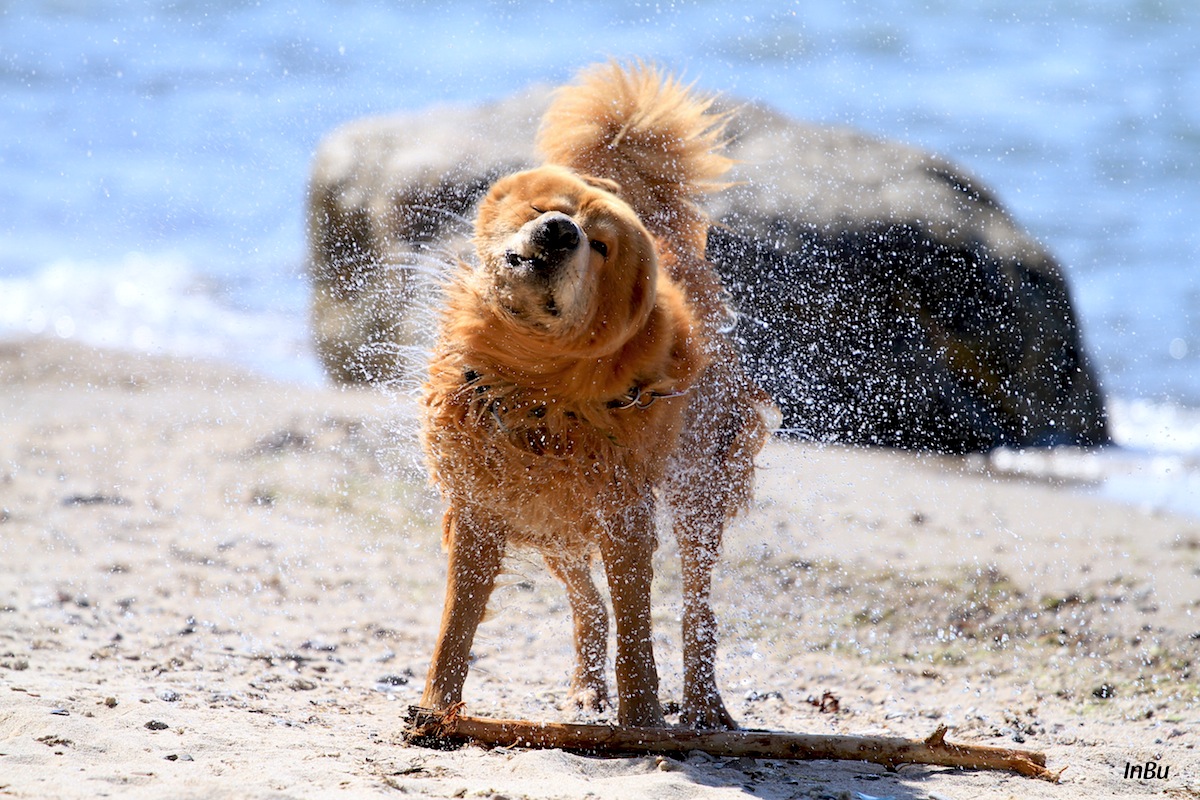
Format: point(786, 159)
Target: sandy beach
point(212, 585)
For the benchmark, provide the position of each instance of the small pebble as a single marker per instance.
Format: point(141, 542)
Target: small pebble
point(111, 702)
point(155, 725)
point(169, 696)
point(60, 712)
point(393, 680)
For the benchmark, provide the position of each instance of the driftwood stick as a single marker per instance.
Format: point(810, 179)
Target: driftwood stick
point(440, 729)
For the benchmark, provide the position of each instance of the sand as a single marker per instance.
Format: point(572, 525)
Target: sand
point(212, 585)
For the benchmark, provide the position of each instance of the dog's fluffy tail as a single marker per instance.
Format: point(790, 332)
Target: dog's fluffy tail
point(648, 133)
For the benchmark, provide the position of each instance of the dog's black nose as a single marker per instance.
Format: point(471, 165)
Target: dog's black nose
point(557, 232)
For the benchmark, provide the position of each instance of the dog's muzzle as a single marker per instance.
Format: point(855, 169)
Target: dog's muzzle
point(545, 244)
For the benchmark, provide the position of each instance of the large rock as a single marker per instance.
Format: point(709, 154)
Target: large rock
point(886, 297)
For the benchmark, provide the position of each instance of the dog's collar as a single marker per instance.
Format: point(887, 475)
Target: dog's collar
point(637, 397)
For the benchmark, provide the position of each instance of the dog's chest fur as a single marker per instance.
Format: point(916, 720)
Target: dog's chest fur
point(558, 472)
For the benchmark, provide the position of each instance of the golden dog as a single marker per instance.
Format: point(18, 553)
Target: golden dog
point(580, 373)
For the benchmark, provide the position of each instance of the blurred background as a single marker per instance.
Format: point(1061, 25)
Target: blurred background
point(154, 156)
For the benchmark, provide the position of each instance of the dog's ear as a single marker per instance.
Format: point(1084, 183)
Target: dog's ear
point(601, 183)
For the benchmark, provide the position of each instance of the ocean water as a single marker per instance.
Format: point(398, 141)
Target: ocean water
point(153, 155)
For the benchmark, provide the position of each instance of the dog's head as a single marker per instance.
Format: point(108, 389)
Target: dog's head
point(562, 256)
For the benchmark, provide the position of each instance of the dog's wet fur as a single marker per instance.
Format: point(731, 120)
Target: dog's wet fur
point(581, 376)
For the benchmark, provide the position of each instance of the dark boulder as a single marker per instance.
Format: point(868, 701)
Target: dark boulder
point(886, 297)
point(889, 299)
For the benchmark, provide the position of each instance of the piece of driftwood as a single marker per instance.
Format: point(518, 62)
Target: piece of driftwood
point(451, 728)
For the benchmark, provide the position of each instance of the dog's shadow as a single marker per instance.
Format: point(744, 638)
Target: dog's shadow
point(835, 780)
point(515, 772)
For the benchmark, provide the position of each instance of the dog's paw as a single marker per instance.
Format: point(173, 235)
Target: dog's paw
point(590, 696)
point(641, 716)
point(707, 714)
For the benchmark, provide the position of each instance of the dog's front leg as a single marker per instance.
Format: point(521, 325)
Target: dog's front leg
point(475, 547)
point(627, 549)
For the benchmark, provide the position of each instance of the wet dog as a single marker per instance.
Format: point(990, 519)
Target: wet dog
point(581, 375)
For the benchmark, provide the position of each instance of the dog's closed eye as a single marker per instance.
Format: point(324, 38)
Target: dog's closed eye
point(600, 247)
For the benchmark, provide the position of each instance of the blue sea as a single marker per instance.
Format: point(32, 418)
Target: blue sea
point(153, 156)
